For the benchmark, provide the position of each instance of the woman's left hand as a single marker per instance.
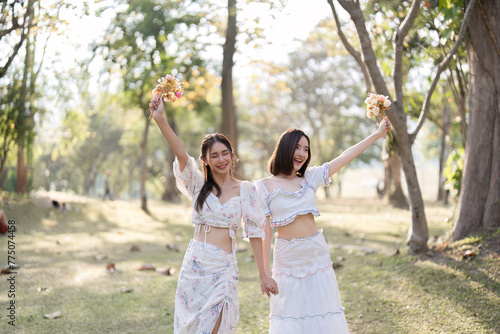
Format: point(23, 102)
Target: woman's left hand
point(384, 126)
point(268, 285)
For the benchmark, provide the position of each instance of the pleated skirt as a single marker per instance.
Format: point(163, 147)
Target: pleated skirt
point(308, 299)
point(208, 285)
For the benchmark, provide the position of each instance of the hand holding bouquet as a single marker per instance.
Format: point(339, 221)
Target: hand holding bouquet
point(377, 105)
point(169, 88)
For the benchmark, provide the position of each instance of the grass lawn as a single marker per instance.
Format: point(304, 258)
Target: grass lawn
point(454, 289)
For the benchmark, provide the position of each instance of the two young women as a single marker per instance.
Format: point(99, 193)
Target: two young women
point(206, 298)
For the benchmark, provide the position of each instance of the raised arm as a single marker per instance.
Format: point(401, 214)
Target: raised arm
point(157, 107)
point(353, 151)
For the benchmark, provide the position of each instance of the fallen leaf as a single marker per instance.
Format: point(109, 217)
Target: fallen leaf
point(100, 257)
point(110, 267)
point(469, 253)
point(171, 272)
point(126, 290)
point(162, 270)
point(173, 247)
point(147, 266)
point(441, 247)
point(42, 288)
point(6, 271)
point(337, 265)
point(56, 314)
point(135, 248)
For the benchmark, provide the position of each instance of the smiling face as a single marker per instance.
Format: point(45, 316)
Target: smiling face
point(219, 158)
point(301, 154)
point(291, 155)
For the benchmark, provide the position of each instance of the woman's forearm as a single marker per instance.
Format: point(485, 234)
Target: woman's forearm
point(173, 141)
point(267, 246)
point(256, 244)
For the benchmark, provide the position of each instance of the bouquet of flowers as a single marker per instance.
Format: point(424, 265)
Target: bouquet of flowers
point(377, 104)
point(169, 88)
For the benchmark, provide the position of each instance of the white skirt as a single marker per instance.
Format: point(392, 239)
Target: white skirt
point(308, 299)
point(208, 285)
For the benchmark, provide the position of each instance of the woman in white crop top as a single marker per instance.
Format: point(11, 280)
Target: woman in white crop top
point(206, 299)
point(309, 299)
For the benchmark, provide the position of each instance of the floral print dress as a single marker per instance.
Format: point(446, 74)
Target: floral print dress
point(208, 280)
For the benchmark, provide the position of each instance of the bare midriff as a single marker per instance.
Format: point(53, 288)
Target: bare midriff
point(303, 226)
point(217, 236)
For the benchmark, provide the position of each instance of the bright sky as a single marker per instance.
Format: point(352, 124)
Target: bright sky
point(294, 22)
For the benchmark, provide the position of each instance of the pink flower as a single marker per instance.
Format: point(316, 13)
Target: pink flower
point(178, 94)
point(169, 77)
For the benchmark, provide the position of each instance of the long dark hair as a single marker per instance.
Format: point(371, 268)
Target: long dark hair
point(210, 184)
point(281, 161)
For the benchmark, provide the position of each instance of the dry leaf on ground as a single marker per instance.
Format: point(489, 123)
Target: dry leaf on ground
point(56, 314)
point(147, 266)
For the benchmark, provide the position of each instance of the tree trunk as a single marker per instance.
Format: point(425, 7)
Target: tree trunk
point(22, 174)
point(443, 152)
point(394, 192)
point(144, 157)
point(479, 203)
point(229, 120)
point(170, 192)
point(418, 234)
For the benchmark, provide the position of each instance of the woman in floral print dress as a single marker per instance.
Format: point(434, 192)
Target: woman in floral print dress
point(206, 300)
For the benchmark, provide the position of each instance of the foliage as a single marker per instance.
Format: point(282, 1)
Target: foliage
point(453, 171)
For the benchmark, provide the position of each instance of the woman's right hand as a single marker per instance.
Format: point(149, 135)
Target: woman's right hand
point(156, 106)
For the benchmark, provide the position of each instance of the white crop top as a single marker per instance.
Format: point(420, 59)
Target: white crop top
point(284, 206)
point(246, 207)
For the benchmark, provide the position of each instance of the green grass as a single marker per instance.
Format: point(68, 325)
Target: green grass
point(383, 292)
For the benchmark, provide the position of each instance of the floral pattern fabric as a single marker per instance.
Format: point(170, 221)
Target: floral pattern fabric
point(208, 281)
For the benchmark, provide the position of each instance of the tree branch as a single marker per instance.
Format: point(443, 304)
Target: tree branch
point(355, 54)
point(368, 55)
point(399, 37)
point(440, 68)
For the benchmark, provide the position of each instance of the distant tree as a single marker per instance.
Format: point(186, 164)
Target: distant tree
point(148, 39)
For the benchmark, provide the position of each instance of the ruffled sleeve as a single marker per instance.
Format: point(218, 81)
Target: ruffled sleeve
point(253, 218)
point(263, 196)
point(191, 179)
point(318, 175)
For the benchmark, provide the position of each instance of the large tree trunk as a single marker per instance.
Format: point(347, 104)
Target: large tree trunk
point(229, 120)
point(144, 157)
point(479, 203)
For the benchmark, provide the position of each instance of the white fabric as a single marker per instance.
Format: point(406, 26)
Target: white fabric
point(284, 206)
point(309, 299)
point(245, 208)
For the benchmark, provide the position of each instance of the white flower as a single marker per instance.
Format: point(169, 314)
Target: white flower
point(369, 113)
point(375, 101)
point(376, 110)
point(387, 103)
point(368, 100)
